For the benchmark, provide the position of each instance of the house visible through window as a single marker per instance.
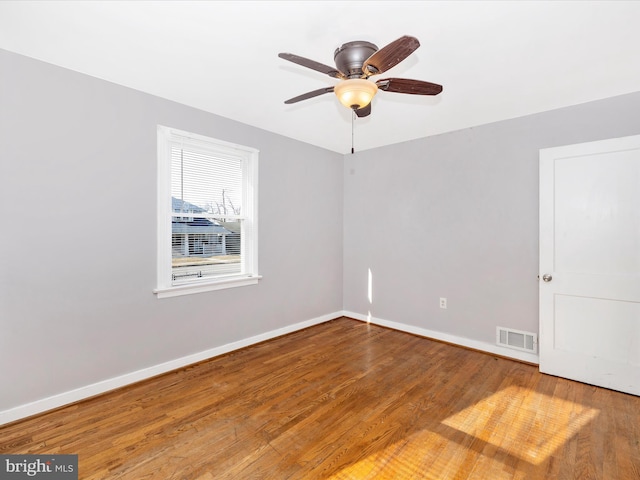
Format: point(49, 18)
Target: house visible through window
point(207, 213)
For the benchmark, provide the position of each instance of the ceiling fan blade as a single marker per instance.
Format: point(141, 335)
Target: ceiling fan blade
point(308, 95)
point(312, 64)
point(364, 111)
point(404, 85)
point(391, 55)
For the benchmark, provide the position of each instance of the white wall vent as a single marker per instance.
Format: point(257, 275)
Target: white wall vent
point(517, 339)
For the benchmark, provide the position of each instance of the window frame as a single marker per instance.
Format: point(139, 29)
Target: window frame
point(166, 136)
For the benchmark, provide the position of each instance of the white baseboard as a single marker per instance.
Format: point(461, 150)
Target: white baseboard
point(72, 396)
point(449, 338)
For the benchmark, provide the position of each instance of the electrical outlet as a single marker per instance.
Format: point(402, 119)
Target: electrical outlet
point(443, 302)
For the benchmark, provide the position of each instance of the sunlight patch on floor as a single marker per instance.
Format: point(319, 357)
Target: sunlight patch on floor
point(514, 422)
point(424, 455)
point(526, 424)
point(407, 459)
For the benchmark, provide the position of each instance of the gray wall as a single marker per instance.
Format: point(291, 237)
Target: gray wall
point(456, 216)
point(78, 242)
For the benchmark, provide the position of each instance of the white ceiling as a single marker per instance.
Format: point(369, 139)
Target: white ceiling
point(496, 60)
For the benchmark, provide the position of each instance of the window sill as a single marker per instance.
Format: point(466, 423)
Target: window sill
point(219, 284)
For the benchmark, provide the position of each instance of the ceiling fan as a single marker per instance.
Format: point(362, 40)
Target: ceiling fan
point(355, 63)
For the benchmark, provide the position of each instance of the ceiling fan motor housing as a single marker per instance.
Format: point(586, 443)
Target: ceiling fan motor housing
point(350, 57)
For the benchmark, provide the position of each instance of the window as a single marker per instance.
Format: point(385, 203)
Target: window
point(207, 214)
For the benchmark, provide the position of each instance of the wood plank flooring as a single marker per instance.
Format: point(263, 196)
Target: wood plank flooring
point(346, 400)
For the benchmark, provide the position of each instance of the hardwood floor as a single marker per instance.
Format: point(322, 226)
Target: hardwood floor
point(346, 400)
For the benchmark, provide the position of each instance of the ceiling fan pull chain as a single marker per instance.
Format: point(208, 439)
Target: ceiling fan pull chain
point(353, 117)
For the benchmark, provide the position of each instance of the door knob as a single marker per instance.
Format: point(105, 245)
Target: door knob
point(547, 277)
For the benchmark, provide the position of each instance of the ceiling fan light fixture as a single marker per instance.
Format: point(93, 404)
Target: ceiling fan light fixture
point(355, 93)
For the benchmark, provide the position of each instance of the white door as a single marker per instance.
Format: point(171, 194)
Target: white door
point(590, 262)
